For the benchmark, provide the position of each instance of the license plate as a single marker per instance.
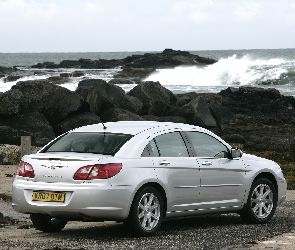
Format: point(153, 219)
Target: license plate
point(48, 196)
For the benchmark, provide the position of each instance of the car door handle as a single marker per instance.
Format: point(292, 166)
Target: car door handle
point(164, 163)
point(207, 163)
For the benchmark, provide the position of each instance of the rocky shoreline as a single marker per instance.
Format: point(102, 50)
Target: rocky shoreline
point(259, 120)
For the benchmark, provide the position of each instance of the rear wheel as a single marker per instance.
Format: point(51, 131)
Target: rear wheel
point(146, 212)
point(47, 223)
point(262, 202)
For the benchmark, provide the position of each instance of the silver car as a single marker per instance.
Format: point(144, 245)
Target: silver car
point(141, 173)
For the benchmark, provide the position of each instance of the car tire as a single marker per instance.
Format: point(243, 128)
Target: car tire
point(261, 203)
point(146, 212)
point(46, 223)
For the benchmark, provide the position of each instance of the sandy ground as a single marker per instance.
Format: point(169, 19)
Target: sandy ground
point(7, 173)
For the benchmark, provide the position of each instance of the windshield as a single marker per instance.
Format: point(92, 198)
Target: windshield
point(96, 143)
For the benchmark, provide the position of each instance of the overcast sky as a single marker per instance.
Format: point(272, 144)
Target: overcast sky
point(145, 25)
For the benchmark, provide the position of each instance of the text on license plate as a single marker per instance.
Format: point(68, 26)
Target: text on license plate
point(48, 196)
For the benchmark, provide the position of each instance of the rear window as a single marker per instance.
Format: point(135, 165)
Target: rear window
point(96, 143)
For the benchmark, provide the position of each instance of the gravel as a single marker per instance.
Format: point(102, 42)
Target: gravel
point(223, 232)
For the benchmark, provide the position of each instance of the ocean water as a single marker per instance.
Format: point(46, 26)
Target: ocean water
point(260, 68)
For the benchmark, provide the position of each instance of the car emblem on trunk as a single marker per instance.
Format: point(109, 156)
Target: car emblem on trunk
point(52, 167)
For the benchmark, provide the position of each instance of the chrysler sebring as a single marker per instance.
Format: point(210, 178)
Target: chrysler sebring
point(142, 173)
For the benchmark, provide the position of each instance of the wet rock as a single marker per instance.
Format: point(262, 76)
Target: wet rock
point(11, 78)
point(57, 79)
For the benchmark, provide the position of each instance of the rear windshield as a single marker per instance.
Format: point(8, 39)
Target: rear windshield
point(96, 143)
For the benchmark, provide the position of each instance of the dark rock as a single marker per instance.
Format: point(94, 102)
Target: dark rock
point(196, 112)
point(101, 95)
point(57, 79)
point(31, 124)
point(85, 85)
point(120, 81)
point(168, 58)
point(46, 65)
point(78, 74)
point(11, 102)
point(117, 114)
point(131, 103)
point(11, 78)
point(53, 101)
point(134, 74)
point(76, 121)
point(74, 74)
point(65, 74)
point(156, 99)
point(249, 100)
point(175, 119)
point(213, 101)
point(69, 64)
point(5, 70)
point(11, 136)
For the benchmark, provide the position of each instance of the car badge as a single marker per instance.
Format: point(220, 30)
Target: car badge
point(52, 167)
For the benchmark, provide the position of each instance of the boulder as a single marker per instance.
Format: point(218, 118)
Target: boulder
point(57, 79)
point(101, 95)
point(156, 99)
point(11, 102)
point(76, 121)
point(31, 124)
point(175, 119)
point(196, 112)
point(54, 102)
point(117, 114)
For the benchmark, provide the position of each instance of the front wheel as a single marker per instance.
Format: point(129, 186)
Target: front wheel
point(261, 203)
point(146, 212)
point(46, 223)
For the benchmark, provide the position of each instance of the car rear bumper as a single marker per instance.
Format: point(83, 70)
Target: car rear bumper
point(100, 202)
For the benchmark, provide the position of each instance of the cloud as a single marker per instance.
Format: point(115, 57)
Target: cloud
point(193, 10)
point(94, 8)
point(248, 11)
point(293, 5)
point(29, 8)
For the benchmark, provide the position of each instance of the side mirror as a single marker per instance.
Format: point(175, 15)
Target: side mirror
point(236, 153)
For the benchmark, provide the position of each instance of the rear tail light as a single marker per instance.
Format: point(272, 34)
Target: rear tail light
point(25, 169)
point(98, 171)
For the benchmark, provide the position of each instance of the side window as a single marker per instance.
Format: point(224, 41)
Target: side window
point(170, 145)
point(150, 150)
point(207, 146)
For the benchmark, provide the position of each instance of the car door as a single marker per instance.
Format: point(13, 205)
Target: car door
point(177, 171)
point(222, 179)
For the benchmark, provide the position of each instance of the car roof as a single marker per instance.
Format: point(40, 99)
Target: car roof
point(129, 127)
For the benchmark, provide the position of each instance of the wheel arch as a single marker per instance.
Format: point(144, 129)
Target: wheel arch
point(160, 189)
point(269, 176)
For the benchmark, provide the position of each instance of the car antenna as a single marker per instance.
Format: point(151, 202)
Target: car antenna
point(104, 127)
